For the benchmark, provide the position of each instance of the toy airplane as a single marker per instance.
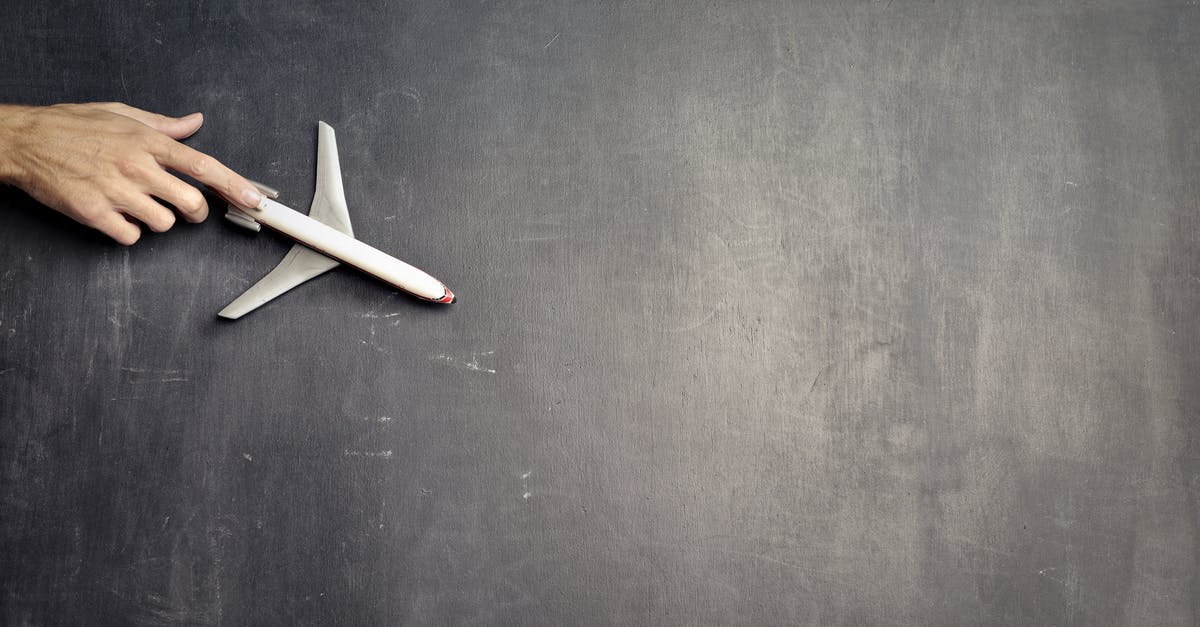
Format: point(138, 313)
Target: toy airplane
point(324, 238)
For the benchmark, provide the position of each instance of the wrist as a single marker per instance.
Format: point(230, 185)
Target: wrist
point(12, 121)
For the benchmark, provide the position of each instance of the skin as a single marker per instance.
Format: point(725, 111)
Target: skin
point(107, 165)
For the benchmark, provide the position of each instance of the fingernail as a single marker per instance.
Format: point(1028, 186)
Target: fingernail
point(191, 116)
point(250, 197)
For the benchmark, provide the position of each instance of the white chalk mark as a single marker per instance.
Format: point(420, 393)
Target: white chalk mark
point(1072, 183)
point(372, 314)
point(140, 376)
point(378, 454)
point(247, 457)
point(1043, 572)
point(552, 40)
point(467, 364)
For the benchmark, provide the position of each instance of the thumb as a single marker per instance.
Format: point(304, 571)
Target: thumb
point(176, 128)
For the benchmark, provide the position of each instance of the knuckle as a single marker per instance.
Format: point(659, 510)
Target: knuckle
point(129, 167)
point(161, 221)
point(127, 237)
point(90, 212)
point(148, 139)
point(192, 201)
point(200, 165)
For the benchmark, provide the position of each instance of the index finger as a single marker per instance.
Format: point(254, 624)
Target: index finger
point(207, 170)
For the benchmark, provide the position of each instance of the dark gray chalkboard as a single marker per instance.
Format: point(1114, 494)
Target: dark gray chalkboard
point(771, 313)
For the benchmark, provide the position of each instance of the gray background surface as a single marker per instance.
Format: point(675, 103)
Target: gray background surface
point(770, 313)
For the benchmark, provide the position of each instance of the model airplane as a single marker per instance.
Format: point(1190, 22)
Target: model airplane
point(324, 238)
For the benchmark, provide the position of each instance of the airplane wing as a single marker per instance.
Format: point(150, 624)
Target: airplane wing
point(302, 263)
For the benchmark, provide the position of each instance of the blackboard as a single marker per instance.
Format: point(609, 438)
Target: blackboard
point(770, 313)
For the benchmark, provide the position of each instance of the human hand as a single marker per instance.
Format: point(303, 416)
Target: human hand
point(105, 165)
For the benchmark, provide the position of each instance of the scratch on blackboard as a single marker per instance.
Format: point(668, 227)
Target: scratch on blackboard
point(800, 568)
point(981, 547)
point(154, 375)
point(537, 238)
point(525, 484)
point(870, 313)
point(552, 40)
point(817, 378)
point(712, 315)
point(412, 94)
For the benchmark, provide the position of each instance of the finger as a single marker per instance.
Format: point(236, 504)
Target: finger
point(155, 216)
point(117, 227)
point(184, 127)
point(186, 199)
point(209, 171)
point(175, 128)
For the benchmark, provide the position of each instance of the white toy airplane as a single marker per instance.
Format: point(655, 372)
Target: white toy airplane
point(324, 238)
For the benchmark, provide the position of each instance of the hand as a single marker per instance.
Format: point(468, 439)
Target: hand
point(104, 164)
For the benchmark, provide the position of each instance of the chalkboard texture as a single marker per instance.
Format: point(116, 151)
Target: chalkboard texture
point(786, 312)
